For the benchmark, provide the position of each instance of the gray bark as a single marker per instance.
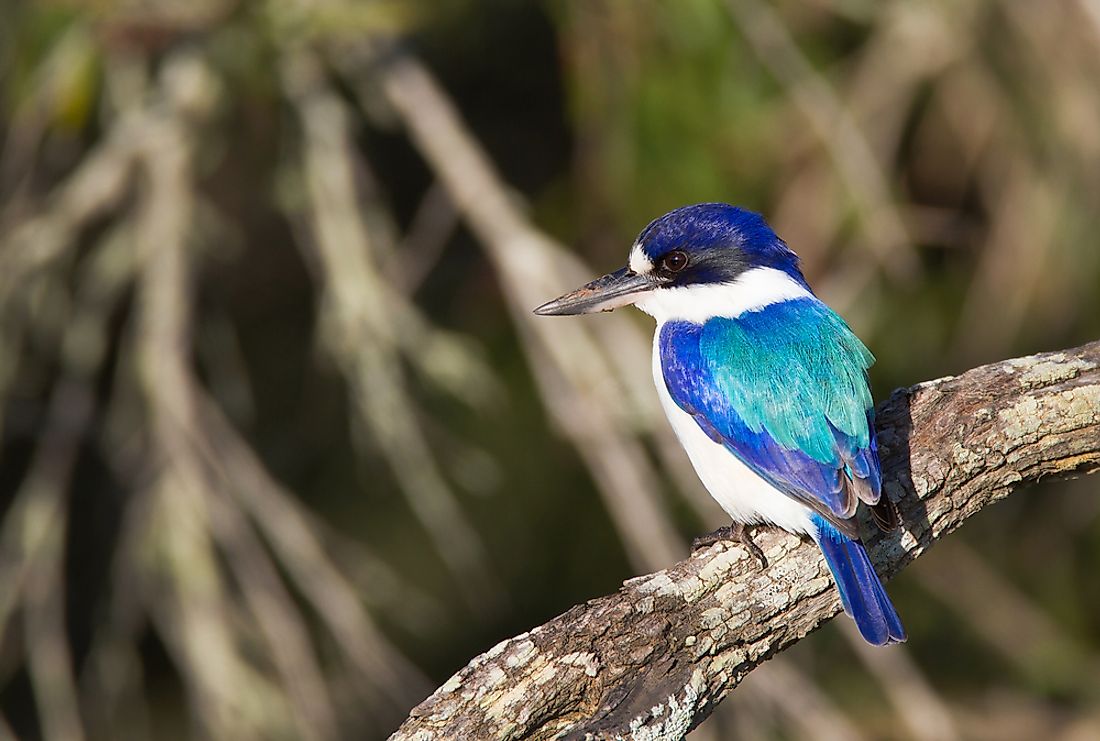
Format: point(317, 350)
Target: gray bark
point(654, 659)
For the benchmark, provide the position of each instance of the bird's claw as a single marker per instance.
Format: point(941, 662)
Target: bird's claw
point(744, 537)
point(705, 541)
point(738, 533)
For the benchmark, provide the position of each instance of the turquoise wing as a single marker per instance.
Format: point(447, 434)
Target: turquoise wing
point(785, 389)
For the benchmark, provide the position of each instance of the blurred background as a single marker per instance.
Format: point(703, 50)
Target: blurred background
point(283, 446)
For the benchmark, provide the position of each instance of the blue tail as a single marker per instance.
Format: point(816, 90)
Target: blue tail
point(861, 592)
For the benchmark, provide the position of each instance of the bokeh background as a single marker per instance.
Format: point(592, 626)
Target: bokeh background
point(283, 447)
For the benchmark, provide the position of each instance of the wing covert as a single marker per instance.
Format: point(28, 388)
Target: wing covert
point(784, 389)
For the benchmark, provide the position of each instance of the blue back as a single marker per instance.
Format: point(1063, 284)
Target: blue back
point(785, 389)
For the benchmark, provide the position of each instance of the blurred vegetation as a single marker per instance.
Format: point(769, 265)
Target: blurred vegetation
point(282, 446)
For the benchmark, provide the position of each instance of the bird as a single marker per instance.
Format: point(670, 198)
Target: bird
point(765, 386)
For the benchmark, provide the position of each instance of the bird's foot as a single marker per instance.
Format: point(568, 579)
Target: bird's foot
point(706, 541)
point(743, 535)
point(738, 533)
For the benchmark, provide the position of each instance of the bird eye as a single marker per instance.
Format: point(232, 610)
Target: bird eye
point(674, 261)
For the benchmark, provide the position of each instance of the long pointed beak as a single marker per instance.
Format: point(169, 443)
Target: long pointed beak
point(603, 294)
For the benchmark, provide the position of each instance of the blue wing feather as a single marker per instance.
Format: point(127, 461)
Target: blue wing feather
point(784, 389)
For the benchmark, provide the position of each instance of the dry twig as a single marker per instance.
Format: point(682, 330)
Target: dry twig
point(574, 371)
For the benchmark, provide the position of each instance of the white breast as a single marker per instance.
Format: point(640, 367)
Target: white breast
point(745, 496)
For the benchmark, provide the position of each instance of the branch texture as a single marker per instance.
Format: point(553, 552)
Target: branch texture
point(654, 659)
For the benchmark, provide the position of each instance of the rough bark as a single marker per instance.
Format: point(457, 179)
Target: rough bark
point(653, 660)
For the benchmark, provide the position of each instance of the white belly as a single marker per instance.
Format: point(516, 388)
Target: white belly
point(745, 496)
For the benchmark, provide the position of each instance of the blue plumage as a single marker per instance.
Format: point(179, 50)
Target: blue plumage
point(861, 592)
point(784, 388)
point(732, 231)
point(764, 385)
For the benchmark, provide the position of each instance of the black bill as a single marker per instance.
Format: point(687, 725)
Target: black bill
point(603, 294)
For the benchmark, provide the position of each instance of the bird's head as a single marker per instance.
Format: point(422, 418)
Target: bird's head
point(696, 262)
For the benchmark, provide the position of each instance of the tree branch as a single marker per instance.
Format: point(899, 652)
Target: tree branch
point(655, 658)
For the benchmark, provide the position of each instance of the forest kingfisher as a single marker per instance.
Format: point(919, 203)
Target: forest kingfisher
point(764, 385)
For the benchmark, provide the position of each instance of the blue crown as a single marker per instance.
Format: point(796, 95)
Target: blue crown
point(715, 228)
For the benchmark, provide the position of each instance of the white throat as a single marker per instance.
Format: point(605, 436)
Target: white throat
point(754, 289)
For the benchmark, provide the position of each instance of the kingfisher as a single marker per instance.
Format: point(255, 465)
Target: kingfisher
point(765, 386)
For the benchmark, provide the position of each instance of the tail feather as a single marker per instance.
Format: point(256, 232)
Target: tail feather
point(861, 592)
